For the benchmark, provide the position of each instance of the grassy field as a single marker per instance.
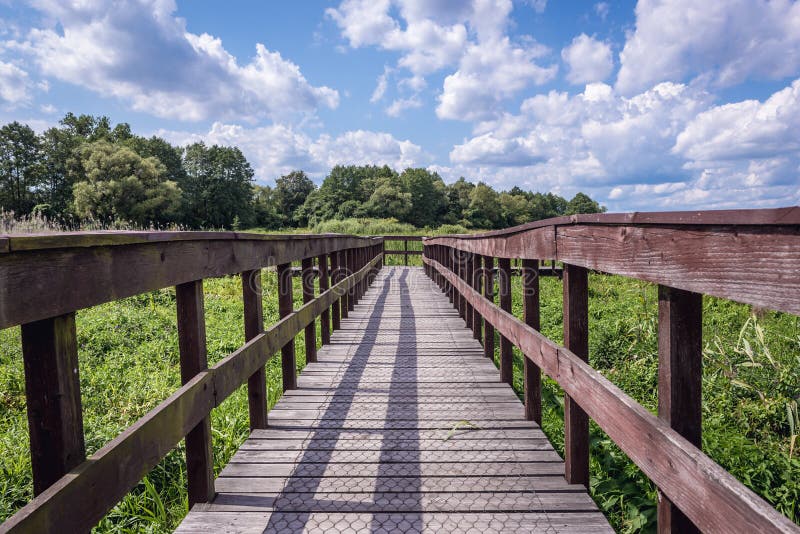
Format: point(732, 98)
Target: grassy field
point(129, 363)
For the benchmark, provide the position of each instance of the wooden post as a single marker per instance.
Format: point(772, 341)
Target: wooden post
point(466, 273)
point(194, 359)
point(477, 320)
point(680, 381)
point(488, 292)
point(285, 307)
point(458, 267)
point(351, 268)
point(335, 277)
point(531, 374)
point(324, 285)
point(506, 349)
point(576, 339)
point(448, 263)
point(253, 326)
point(52, 390)
point(307, 283)
point(405, 247)
point(344, 303)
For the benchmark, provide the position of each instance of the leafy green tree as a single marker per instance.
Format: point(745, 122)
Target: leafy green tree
point(458, 198)
point(265, 208)
point(169, 156)
point(428, 196)
point(121, 185)
point(20, 167)
point(582, 203)
point(545, 206)
point(515, 209)
point(58, 147)
point(389, 201)
point(484, 208)
point(217, 187)
point(291, 191)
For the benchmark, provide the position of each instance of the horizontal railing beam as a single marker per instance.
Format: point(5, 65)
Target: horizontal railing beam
point(710, 496)
point(38, 284)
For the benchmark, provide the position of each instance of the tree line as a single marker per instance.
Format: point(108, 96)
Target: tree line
point(85, 169)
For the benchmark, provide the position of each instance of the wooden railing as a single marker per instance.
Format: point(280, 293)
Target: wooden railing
point(750, 256)
point(405, 251)
point(45, 279)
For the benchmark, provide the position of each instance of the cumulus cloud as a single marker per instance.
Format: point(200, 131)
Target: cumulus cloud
point(667, 147)
point(724, 43)
point(15, 84)
point(279, 148)
point(140, 52)
point(588, 59)
point(402, 104)
point(431, 36)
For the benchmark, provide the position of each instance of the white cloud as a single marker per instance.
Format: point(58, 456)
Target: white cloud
point(668, 147)
point(141, 53)
point(278, 149)
point(488, 74)
point(14, 84)
point(539, 5)
point(432, 36)
point(380, 87)
point(588, 59)
point(401, 104)
point(724, 43)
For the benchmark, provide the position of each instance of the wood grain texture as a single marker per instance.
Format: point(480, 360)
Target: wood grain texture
point(488, 293)
point(324, 285)
point(194, 360)
point(710, 496)
point(285, 308)
point(52, 392)
point(89, 275)
point(680, 381)
point(307, 281)
point(576, 340)
point(531, 374)
point(504, 288)
point(253, 326)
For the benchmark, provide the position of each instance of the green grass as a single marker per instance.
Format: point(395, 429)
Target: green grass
point(129, 363)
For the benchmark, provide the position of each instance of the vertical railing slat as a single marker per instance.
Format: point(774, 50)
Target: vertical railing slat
point(680, 381)
point(506, 348)
point(488, 292)
point(531, 374)
point(194, 359)
point(253, 326)
point(324, 285)
point(307, 285)
point(285, 307)
point(576, 339)
point(52, 390)
point(477, 319)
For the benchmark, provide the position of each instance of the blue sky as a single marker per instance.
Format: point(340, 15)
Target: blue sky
point(650, 105)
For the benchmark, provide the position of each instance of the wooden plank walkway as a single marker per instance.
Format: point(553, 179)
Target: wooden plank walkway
point(366, 442)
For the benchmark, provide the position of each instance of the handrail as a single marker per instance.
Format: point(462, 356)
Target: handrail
point(73, 493)
point(405, 251)
point(751, 256)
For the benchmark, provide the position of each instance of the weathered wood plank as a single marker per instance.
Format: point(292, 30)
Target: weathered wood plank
point(253, 326)
point(52, 391)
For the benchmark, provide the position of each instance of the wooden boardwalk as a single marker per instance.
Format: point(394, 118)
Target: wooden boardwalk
point(367, 441)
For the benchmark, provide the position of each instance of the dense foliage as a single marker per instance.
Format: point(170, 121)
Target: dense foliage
point(86, 170)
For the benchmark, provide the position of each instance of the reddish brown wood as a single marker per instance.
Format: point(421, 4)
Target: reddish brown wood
point(194, 360)
point(344, 305)
point(285, 308)
point(477, 320)
point(680, 381)
point(52, 390)
point(709, 495)
point(335, 278)
point(532, 375)
point(253, 326)
point(576, 340)
point(405, 249)
point(350, 255)
point(308, 295)
point(324, 285)
point(469, 269)
point(504, 287)
point(488, 293)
